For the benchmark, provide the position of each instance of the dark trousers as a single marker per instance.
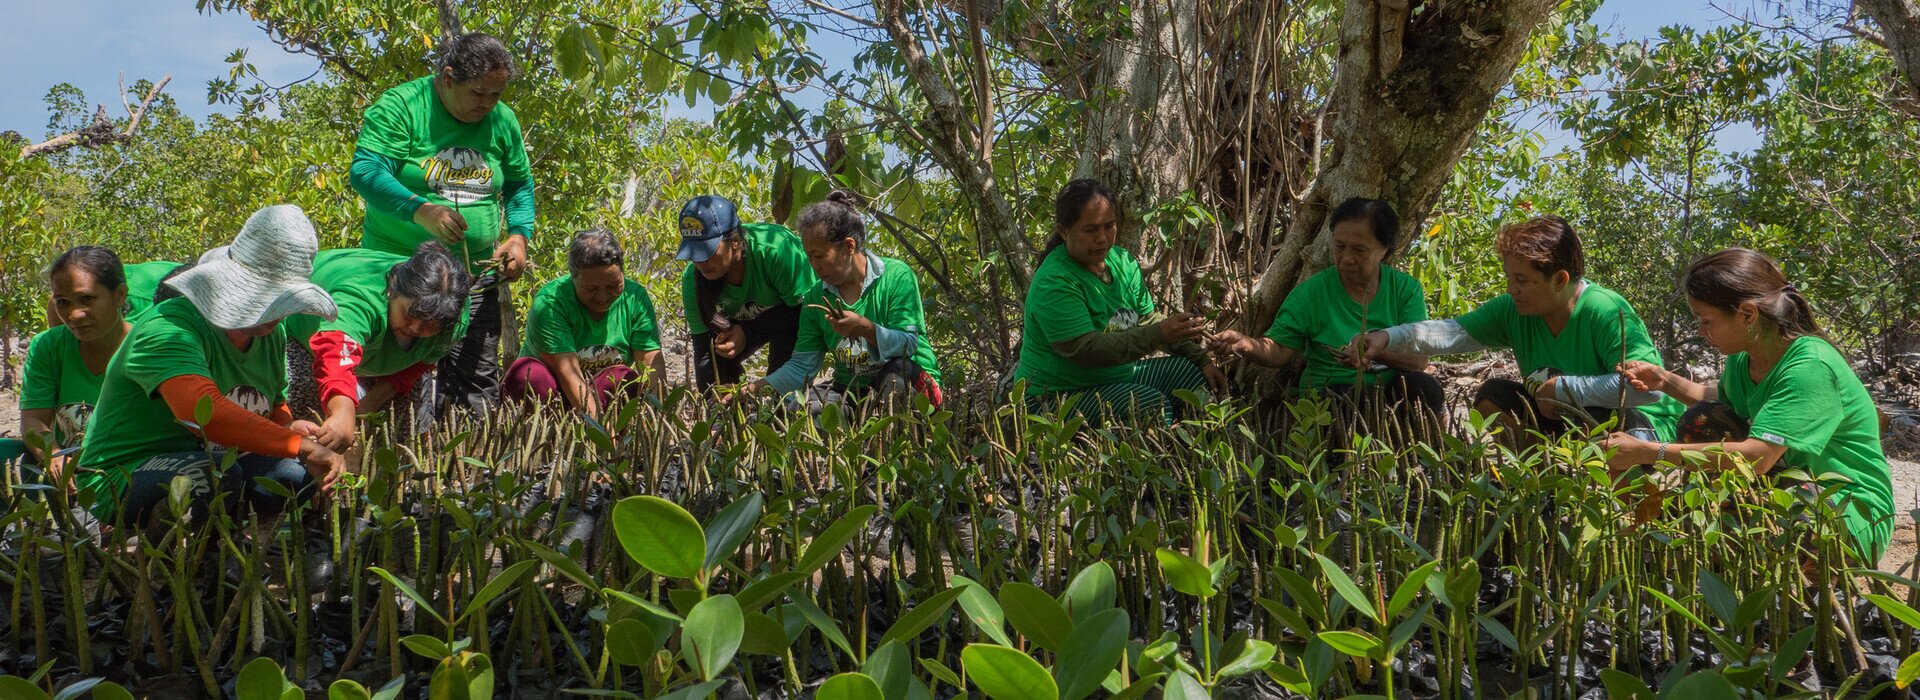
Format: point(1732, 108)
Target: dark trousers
point(1712, 421)
point(469, 374)
point(775, 328)
point(150, 483)
point(1512, 398)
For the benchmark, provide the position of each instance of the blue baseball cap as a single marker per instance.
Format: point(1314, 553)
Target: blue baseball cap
point(704, 222)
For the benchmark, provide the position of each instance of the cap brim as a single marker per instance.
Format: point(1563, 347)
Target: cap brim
point(697, 250)
point(232, 297)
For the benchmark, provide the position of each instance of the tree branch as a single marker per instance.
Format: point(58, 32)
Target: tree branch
point(99, 133)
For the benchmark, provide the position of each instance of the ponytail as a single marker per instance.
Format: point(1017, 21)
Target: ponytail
point(1735, 276)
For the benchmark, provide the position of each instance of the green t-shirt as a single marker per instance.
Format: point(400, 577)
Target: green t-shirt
point(356, 278)
point(1066, 301)
point(777, 275)
point(143, 279)
point(445, 161)
point(1319, 314)
point(558, 324)
point(55, 378)
point(132, 423)
point(1813, 404)
point(892, 301)
point(1588, 346)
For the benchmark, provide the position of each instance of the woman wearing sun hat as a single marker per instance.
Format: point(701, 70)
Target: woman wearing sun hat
point(219, 343)
point(744, 287)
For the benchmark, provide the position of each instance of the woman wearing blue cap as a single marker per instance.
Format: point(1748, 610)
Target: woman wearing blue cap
point(744, 288)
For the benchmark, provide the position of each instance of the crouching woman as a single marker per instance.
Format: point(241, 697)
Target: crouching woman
point(220, 343)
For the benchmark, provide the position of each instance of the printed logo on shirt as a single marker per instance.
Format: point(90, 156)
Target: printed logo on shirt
point(70, 422)
point(748, 311)
point(599, 357)
point(1772, 439)
point(251, 399)
point(348, 351)
point(856, 354)
point(1123, 319)
point(460, 174)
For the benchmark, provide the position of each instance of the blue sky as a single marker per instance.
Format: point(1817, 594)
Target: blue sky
point(90, 43)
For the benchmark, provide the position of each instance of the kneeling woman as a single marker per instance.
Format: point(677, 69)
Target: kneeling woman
point(1090, 321)
point(1785, 395)
point(60, 384)
point(1324, 313)
point(587, 331)
point(398, 316)
point(221, 344)
point(866, 313)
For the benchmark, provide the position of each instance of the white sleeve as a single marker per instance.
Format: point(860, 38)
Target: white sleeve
point(1443, 337)
point(1601, 390)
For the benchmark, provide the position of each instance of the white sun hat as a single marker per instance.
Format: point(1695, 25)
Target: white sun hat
point(263, 276)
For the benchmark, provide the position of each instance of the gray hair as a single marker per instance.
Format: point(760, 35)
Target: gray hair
point(437, 284)
point(594, 247)
point(470, 56)
point(835, 219)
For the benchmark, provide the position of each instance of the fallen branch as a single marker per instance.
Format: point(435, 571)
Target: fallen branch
point(100, 132)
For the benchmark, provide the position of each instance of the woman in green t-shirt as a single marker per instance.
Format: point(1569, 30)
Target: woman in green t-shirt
point(866, 314)
point(60, 383)
point(441, 158)
point(398, 315)
point(1322, 314)
point(1785, 396)
point(1567, 333)
point(743, 288)
point(587, 331)
point(219, 345)
point(1090, 322)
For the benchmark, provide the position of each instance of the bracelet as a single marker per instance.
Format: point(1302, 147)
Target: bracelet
point(1662, 457)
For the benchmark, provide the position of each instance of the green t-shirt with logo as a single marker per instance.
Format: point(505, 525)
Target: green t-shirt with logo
point(356, 278)
point(143, 279)
point(445, 161)
point(55, 378)
point(132, 423)
point(558, 324)
point(1318, 315)
point(777, 275)
point(1066, 301)
point(892, 301)
point(1588, 346)
point(1814, 405)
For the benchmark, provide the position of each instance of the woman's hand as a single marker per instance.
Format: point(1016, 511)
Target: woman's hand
point(730, 342)
point(1627, 452)
point(1364, 347)
point(511, 256)
point(851, 325)
point(1181, 327)
point(1232, 342)
point(324, 464)
point(1643, 376)
point(336, 433)
point(1216, 380)
point(443, 222)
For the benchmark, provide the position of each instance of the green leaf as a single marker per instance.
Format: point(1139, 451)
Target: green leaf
point(891, 667)
point(1092, 591)
point(344, 689)
point(1704, 685)
point(1720, 597)
point(562, 563)
point(982, 610)
point(1006, 674)
point(497, 586)
point(1909, 670)
point(661, 536)
point(1036, 615)
point(1789, 654)
point(1185, 574)
point(1899, 610)
point(941, 673)
point(419, 601)
point(909, 626)
point(728, 529)
point(75, 690)
point(711, 634)
point(630, 642)
point(1287, 616)
point(1351, 642)
point(820, 621)
point(1184, 687)
point(1092, 651)
point(1344, 586)
point(578, 52)
point(1140, 687)
point(1255, 656)
point(849, 686)
point(430, 647)
point(1624, 686)
point(17, 687)
point(763, 635)
point(1410, 588)
point(109, 690)
point(260, 679)
point(697, 691)
point(827, 544)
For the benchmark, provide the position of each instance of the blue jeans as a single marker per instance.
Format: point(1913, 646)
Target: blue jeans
point(150, 483)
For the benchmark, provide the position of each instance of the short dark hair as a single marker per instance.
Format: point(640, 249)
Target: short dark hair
point(1380, 218)
point(164, 291)
point(1549, 243)
point(836, 219)
point(437, 283)
point(470, 56)
point(100, 262)
point(594, 247)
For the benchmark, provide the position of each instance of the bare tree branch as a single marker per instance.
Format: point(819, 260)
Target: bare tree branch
point(100, 132)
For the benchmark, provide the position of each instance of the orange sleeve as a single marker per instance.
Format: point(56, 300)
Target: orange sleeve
point(230, 425)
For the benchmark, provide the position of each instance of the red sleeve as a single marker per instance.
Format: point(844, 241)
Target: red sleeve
point(335, 356)
point(230, 424)
point(403, 380)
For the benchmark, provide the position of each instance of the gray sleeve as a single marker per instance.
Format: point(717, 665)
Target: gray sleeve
point(1443, 337)
point(1600, 390)
point(894, 343)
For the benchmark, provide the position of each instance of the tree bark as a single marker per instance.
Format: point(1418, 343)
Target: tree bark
point(100, 132)
point(1412, 88)
point(1137, 137)
point(1899, 22)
